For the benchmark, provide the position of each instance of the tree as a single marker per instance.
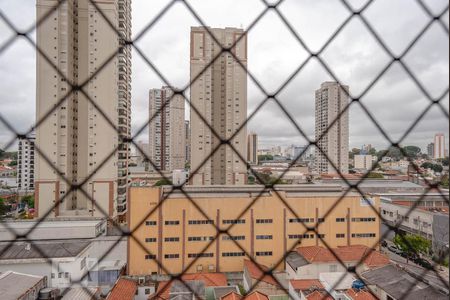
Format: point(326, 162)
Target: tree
point(29, 200)
point(374, 175)
point(264, 157)
point(13, 163)
point(3, 208)
point(412, 244)
point(412, 151)
point(163, 181)
point(444, 181)
point(373, 151)
point(437, 168)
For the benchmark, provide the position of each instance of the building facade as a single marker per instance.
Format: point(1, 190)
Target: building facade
point(363, 162)
point(252, 148)
point(78, 137)
point(187, 135)
point(430, 150)
point(439, 146)
point(330, 101)
point(25, 165)
point(176, 232)
point(166, 130)
point(219, 101)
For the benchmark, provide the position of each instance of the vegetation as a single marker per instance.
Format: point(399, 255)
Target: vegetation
point(412, 151)
point(8, 155)
point(435, 167)
point(264, 157)
point(412, 244)
point(3, 207)
point(375, 175)
point(29, 200)
point(444, 181)
point(266, 178)
point(163, 181)
point(13, 163)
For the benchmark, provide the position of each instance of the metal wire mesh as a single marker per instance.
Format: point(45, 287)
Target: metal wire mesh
point(268, 97)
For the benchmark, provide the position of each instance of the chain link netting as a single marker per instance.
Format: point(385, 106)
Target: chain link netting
point(317, 56)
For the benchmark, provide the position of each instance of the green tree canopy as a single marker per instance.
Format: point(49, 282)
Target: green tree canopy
point(29, 200)
point(412, 151)
point(264, 157)
point(412, 243)
point(163, 181)
point(375, 175)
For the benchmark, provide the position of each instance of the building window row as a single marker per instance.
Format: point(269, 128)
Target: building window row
point(200, 238)
point(200, 222)
point(340, 220)
point(363, 219)
point(176, 222)
point(171, 239)
point(301, 220)
point(227, 254)
point(204, 254)
point(150, 240)
point(363, 235)
point(233, 238)
point(263, 253)
point(264, 237)
point(234, 221)
point(150, 256)
point(169, 256)
point(340, 235)
point(264, 221)
point(301, 236)
point(150, 223)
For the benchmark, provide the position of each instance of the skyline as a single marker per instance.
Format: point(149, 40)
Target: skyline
point(273, 53)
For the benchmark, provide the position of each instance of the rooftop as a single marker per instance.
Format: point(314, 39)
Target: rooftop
point(257, 272)
point(81, 293)
point(13, 285)
point(316, 295)
point(360, 294)
point(397, 283)
point(42, 250)
point(337, 281)
point(124, 289)
point(231, 296)
point(256, 296)
point(305, 284)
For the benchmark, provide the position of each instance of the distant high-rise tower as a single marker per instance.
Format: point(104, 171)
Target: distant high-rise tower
point(187, 136)
point(220, 95)
point(252, 148)
point(430, 150)
point(75, 135)
point(25, 164)
point(331, 99)
point(439, 146)
point(166, 130)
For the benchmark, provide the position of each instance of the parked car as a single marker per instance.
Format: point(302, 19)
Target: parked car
point(383, 243)
point(394, 249)
point(424, 263)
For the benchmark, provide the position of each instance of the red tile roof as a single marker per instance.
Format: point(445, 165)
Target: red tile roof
point(257, 273)
point(209, 279)
point(256, 296)
point(124, 289)
point(372, 258)
point(316, 295)
point(360, 295)
point(231, 296)
point(304, 284)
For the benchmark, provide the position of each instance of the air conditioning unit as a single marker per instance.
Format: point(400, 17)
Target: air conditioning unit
point(211, 268)
point(199, 268)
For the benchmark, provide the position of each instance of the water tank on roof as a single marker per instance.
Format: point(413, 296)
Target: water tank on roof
point(358, 284)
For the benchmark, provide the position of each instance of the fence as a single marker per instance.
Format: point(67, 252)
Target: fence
point(433, 18)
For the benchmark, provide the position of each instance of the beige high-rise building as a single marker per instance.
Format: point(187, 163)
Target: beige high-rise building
point(331, 99)
point(167, 138)
point(219, 93)
point(439, 146)
point(76, 137)
point(252, 148)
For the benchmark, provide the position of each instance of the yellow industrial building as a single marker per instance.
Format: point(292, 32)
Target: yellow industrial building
point(173, 229)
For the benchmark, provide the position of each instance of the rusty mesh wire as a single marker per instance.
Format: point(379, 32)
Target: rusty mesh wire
point(268, 97)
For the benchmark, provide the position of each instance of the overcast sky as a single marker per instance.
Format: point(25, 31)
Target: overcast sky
point(273, 55)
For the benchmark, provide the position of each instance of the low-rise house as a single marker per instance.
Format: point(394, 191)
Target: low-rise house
point(391, 283)
point(256, 279)
point(310, 262)
point(123, 289)
point(21, 286)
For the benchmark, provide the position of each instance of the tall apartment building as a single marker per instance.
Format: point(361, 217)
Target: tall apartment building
point(166, 129)
point(439, 146)
point(25, 164)
point(430, 150)
point(330, 101)
point(76, 137)
point(363, 161)
point(187, 135)
point(219, 93)
point(177, 232)
point(252, 148)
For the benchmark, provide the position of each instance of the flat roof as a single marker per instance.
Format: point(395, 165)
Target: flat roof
point(81, 293)
point(41, 249)
point(52, 223)
point(343, 280)
point(13, 285)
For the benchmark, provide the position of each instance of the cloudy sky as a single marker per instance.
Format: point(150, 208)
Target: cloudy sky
point(354, 57)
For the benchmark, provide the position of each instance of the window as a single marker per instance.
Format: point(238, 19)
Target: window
point(301, 220)
point(150, 256)
point(233, 238)
point(340, 235)
point(66, 274)
point(321, 235)
point(321, 220)
point(195, 255)
point(172, 222)
point(147, 291)
point(240, 221)
point(264, 221)
point(82, 263)
point(200, 222)
point(263, 237)
point(333, 268)
point(363, 235)
point(340, 220)
point(150, 240)
point(150, 223)
point(263, 253)
point(53, 275)
point(228, 254)
point(169, 256)
point(171, 239)
point(200, 238)
point(363, 219)
point(60, 274)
